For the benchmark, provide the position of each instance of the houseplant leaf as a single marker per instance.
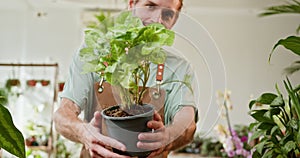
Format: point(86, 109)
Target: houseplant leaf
point(266, 98)
point(282, 9)
point(292, 68)
point(290, 145)
point(291, 43)
point(11, 139)
point(278, 101)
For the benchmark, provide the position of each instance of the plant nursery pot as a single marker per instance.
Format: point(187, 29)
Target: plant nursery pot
point(13, 82)
point(31, 83)
point(126, 129)
point(45, 82)
point(61, 86)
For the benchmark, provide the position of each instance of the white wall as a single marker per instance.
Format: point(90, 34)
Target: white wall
point(243, 39)
point(54, 37)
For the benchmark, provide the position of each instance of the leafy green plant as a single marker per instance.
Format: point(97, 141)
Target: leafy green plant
point(291, 43)
point(277, 123)
point(3, 96)
point(121, 51)
point(11, 139)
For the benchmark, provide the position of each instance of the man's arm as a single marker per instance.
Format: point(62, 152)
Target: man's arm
point(70, 126)
point(182, 129)
point(178, 134)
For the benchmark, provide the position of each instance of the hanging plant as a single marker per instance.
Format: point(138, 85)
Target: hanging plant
point(11, 83)
point(31, 83)
point(45, 82)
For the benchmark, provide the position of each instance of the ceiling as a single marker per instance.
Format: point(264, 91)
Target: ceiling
point(121, 4)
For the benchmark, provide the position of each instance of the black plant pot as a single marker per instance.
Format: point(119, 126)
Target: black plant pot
point(126, 130)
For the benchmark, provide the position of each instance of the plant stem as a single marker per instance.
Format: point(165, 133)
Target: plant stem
point(227, 118)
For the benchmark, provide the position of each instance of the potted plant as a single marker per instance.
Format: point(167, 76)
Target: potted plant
point(121, 51)
point(11, 83)
point(277, 123)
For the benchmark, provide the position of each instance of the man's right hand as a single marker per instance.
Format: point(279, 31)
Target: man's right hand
point(96, 142)
point(73, 128)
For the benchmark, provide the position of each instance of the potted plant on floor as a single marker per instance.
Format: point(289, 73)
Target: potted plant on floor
point(121, 52)
point(277, 124)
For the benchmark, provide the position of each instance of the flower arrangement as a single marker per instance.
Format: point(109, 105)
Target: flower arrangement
point(231, 141)
point(234, 140)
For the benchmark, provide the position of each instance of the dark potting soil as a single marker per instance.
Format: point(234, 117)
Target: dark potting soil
point(133, 110)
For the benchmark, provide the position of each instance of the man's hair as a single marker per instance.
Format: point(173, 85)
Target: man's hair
point(180, 3)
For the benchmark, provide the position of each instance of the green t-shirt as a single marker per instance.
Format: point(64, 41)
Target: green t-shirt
point(80, 87)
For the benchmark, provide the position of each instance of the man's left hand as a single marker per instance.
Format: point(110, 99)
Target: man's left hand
point(157, 140)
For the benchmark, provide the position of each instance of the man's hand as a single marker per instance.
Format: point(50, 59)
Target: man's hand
point(70, 126)
point(176, 135)
point(158, 139)
point(96, 143)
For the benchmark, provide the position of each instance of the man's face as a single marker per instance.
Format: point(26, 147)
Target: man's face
point(156, 11)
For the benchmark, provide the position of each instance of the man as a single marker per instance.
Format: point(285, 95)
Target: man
point(79, 95)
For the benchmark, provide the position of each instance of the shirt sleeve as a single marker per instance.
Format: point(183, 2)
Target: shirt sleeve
point(79, 86)
point(178, 94)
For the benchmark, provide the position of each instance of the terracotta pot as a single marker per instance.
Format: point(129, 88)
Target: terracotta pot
point(61, 86)
point(31, 83)
point(45, 82)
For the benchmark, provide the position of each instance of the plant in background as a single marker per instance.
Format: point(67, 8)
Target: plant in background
point(234, 140)
point(204, 146)
point(121, 53)
point(277, 123)
point(11, 139)
point(3, 96)
point(61, 148)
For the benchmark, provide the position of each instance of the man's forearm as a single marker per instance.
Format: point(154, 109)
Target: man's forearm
point(181, 138)
point(183, 128)
point(67, 122)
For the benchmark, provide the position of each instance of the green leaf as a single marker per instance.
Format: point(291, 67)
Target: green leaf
point(265, 126)
point(291, 43)
point(3, 96)
point(158, 57)
point(282, 9)
point(274, 130)
point(257, 134)
point(275, 111)
point(259, 115)
point(11, 139)
point(260, 146)
point(293, 123)
point(252, 125)
point(278, 101)
point(298, 29)
point(290, 145)
point(294, 67)
point(252, 102)
point(294, 97)
point(268, 154)
point(266, 98)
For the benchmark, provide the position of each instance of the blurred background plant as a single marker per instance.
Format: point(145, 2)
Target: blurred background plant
point(234, 139)
point(231, 141)
point(277, 123)
point(3, 96)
